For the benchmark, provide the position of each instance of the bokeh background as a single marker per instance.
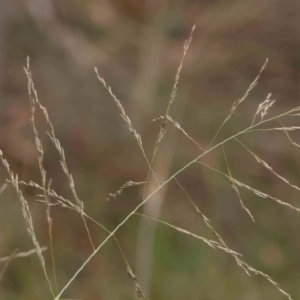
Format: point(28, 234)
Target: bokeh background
point(137, 46)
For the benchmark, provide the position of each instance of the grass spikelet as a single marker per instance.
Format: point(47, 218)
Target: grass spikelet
point(137, 286)
point(123, 114)
point(126, 185)
point(186, 46)
point(164, 119)
point(250, 88)
point(263, 108)
point(61, 201)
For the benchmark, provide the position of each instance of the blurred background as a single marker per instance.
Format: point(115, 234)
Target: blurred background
point(137, 47)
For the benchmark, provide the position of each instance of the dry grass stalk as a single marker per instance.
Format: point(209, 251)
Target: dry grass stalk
point(22, 254)
point(7, 262)
point(61, 201)
point(221, 245)
point(263, 108)
point(205, 219)
point(3, 188)
point(291, 128)
point(56, 142)
point(186, 46)
point(27, 217)
point(135, 280)
point(65, 203)
point(234, 187)
point(164, 119)
point(178, 127)
point(253, 190)
point(143, 258)
point(293, 110)
point(236, 255)
point(126, 185)
point(267, 277)
point(161, 186)
point(159, 137)
point(138, 138)
point(288, 136)
point(238, 102)
point(248, 269)
point(250, 88)
point(266, 196)
point(211, 228)
point(264, 164)
point(123, 114)
point(33, 99)
point(125, 117)
point(210, 243)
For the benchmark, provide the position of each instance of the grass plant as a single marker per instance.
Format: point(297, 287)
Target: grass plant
point(49, 197)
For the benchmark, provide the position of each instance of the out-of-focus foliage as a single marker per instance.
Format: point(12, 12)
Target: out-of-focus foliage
point(137, 46)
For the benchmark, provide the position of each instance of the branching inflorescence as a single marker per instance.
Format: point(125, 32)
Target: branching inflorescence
point(50, 197)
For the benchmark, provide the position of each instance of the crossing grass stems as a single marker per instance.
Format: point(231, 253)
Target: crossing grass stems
point(77, 205)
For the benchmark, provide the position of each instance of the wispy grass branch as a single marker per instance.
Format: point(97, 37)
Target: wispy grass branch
point(234, 187)
point(268, 167)
point(27, 217)
point(162, 185)
point(56, 142)
point(66, 203)
point(253, 190)
point(33, 99)
point(238, 102)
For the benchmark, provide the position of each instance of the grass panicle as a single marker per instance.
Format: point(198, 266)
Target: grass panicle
point(125, 186)
point(49, 197)
point(35, 100)
point(27, 217)
point(263, 108)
